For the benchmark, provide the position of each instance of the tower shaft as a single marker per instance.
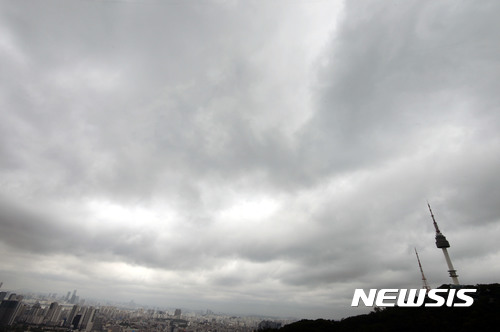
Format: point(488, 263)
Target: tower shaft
point(451, 269)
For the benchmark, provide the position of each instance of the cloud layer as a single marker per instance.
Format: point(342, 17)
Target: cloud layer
point(246, 156)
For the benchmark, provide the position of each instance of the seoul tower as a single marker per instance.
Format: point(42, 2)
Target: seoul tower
point(442, 243)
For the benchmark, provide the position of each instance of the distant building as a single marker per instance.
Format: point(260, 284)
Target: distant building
point(72, 315)
point(74, 298)
point(88, 319)
point(75, 323)
point(9, 310)
point(34, 315)
point(177, 313)
point(53, 314)
point(15, 297)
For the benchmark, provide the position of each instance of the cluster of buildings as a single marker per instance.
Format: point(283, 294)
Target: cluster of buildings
point(69, 313)
point(15, 310)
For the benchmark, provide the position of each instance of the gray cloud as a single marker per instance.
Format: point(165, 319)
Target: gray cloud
point(246, 156)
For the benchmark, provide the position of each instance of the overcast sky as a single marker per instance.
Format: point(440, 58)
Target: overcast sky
point(247, 156)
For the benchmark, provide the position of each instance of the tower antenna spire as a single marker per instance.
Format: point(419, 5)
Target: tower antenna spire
point(433, 220)
point(424, 280)
point(443, 244)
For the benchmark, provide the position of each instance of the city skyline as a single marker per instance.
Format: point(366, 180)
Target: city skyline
point(62, 314)
point(261, 157)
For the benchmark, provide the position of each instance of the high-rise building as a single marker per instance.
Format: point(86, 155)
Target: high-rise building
point(75, 323)
point(35, 315)
point(88, 319)
point(9, 309)
point(15, 297)
point(73, 299)
point(52, 316)
point(71, 316)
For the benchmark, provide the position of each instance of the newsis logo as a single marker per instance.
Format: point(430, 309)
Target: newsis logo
point(409, 298)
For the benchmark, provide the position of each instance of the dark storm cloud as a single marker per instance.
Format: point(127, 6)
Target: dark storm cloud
point(118, 132)
point(395, 70)
point(21, 229)
point(390, 84)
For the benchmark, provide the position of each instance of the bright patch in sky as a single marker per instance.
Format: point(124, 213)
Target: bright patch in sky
point(250, 209)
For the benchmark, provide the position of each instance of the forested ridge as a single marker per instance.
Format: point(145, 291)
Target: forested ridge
point(483, 315)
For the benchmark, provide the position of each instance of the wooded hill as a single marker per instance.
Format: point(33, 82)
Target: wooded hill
point(483, 315)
